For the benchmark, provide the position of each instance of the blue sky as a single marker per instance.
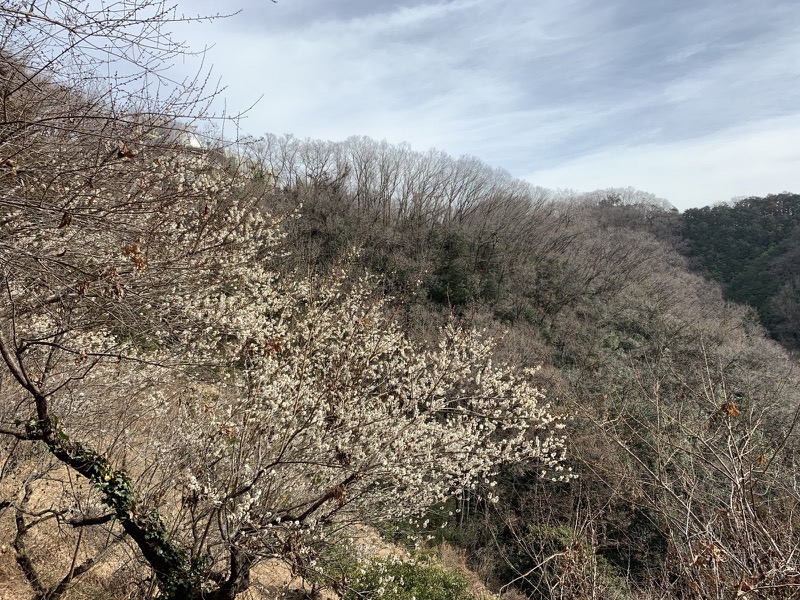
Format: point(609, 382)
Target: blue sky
point(695, 102)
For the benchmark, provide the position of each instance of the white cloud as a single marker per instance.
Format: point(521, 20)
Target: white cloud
point(752, 160)
point(687, 52)
point(613, 86)
point(405, 17)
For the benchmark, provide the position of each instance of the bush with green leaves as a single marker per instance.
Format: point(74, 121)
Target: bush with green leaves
point(395, 579)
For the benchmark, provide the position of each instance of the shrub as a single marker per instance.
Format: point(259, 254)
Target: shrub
point(393, 579)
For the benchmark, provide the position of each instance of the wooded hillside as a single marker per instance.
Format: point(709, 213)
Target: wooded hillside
point(752, 247)
point(681, 406)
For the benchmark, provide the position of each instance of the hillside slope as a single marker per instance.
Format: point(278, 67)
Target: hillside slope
point(684, 411)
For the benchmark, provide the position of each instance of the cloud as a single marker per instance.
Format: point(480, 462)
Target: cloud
point(752, 160)
point(530, 87)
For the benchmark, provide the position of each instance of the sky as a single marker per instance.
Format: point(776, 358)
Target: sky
point(694, 101)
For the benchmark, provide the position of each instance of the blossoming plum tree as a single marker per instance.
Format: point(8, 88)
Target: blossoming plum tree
point(222, 413)
point(252, 411)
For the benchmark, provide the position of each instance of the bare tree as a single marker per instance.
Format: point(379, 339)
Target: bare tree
point(718, 468)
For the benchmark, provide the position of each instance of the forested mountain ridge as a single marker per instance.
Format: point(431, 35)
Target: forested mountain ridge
point(750, 246)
